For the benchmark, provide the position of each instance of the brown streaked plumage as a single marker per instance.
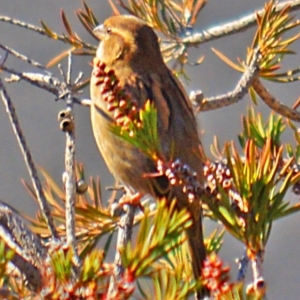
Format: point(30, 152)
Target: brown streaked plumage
point(130, 48)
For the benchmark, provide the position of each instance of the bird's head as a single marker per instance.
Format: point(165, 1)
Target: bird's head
point(127, 40)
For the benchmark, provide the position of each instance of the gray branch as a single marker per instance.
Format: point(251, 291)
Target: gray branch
point(22, 57)
point(233, 27)
point(70, 174)
point(124, 236)
point(259, 283)
point(28, 161)
point(39, 30)
point(29, 250)
point(241, 89)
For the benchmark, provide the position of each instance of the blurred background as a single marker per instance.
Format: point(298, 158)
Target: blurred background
point(38, 111)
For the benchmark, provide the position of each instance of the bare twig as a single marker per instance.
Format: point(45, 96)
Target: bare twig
point(45, 82)
point(232, 97)
point(39, 30)
point(23, 57)
point(29, 251)
point(79, 77)
point(69, 175)
point(32, 274)
point(28, 160)
point(274, 103)
point(124, 236)
point(257, 269)
point(23, 25)
point(84, 102)
point(30, 243)
point(234, 27)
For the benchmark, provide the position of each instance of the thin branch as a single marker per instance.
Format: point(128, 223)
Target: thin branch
point(39, 30)
point(85, 102)
point(274, 103)
point(232, 97)
point(70, 173)
point(24, 25)
point(257, 269)
point(124, 236)
point(29, 251)
point(22, 57)
point(45, 82)
point(42, 81)
point(234, 27)
point(30, 243)
point(33, 276)
point(29, 161)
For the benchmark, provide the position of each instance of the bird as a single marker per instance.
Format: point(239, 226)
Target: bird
point(130, 48)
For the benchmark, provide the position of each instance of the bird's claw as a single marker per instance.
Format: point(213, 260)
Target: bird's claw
point(131, 199)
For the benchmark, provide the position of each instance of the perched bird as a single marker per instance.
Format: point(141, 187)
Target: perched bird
point(130, 48)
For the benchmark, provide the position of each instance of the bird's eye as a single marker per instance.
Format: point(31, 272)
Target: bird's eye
point(108, 30)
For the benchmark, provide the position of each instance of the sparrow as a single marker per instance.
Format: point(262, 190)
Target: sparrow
point(130, 47)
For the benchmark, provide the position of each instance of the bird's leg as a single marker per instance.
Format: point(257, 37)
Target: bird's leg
point(130, 198)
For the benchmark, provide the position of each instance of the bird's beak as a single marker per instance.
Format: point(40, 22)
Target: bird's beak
point(99, 31)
